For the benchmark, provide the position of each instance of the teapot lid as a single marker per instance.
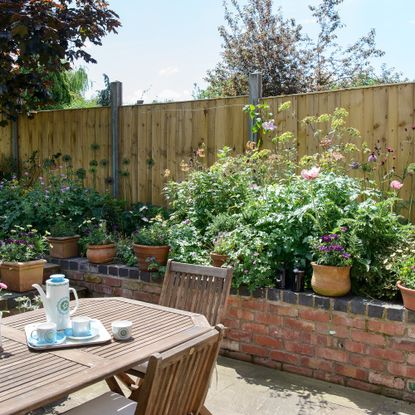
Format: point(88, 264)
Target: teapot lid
point(57, 278)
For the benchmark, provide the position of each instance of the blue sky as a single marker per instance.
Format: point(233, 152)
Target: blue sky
point(165, 46)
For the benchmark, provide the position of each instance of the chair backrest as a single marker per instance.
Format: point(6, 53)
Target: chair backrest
point(197, 288)
point(177, 381)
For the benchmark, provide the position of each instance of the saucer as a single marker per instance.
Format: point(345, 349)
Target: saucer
point(60, 338)
point(93, 333)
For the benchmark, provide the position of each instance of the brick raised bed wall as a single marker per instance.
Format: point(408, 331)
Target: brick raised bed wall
point(364, 344)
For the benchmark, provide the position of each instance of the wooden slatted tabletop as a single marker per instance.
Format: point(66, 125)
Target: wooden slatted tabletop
point(31, 379)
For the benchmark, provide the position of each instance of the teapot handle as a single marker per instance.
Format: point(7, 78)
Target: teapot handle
point(75, 294)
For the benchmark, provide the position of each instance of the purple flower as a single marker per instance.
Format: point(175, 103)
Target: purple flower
point(354, 165)
point(344, 228)
point(346, 255)
point(269, 125)
point(325, 238)
point(372, 158)
point(334, 236)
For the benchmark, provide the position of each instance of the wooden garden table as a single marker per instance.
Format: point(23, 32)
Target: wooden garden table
point(33, 379)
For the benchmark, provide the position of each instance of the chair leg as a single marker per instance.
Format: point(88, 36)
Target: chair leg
point(205, 411)
point(114, 386)
point(126, 380)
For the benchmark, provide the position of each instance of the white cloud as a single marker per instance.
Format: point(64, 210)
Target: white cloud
point(168, 71)
point(307, 21)
point(135, 96)
point(412, 21)
point(172, 95)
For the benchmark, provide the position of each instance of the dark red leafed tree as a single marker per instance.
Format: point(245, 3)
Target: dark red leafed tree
point(42, 37)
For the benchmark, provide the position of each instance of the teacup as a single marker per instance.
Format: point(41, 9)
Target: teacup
point(45, 333)
point(81, 326)
point(122, 329)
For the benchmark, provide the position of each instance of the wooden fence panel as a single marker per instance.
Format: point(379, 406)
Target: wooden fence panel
point(155, 138)
point(5, 143)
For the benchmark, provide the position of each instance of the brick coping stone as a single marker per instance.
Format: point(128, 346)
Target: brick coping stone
point(348, 304)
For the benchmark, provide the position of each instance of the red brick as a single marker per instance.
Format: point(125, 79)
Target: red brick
point(75, 275)
point(253, 304)
point(351, 371)
point(387, 354)
point(370, 338)
point(230, 345)
point(148, 298)
point(355, 347)
point(356, 322)
point(298, 324)
point(353, 383)
point(123, 292)
point(366, 362)
point(231, 323)
point(315, 363)
point(386, 380)
point(283, 310)
point(255, 328)
point(405, 345)
point(331, 354)
point(237, 355)
point(284, 357)
point(151, 288)
point(267, 341)
point(234, 300)
point(336, 331)
point(329, 377)
point(265, 361)
point(392, 329)
point(232, 312)
point(239, 335)
point(314, 315)
point(411, 331)
point(296, 369)
point(321, 340)
point(410, 359)
point(299, 348)
point(400, 369)
point(255, 350)
point(245, 315)
point(111, 281)
point(268, 318)
point(104, 289)
point(289, 334)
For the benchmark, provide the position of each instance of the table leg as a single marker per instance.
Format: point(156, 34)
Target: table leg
point(114, 386)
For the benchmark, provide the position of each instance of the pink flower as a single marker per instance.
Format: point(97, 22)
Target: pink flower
point(396, 184)
point(311, 174)
point(3, 286)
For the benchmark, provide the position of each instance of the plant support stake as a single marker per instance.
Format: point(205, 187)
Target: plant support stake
point(116, 102)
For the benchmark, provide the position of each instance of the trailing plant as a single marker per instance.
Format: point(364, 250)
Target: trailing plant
point(154, 234)
point(62, 227)
point(95, 233)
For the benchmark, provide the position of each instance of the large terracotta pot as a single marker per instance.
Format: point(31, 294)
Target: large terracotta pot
point(217, 259)
point(63, 247)
point(330, 281)
point(101, 254)
point(408, 296)
point(148, 255)
point(19, 276)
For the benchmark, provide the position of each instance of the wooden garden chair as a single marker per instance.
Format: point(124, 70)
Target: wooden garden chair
point(176, 382)
point(197, 288)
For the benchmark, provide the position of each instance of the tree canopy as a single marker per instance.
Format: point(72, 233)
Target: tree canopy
point(257, 39)
point(42, 38)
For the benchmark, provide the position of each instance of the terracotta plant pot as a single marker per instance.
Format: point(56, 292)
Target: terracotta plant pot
point(63, 247)
point(408, 296)
point(19, 276)
point(147, 255)
point(101, 254)
point(217, 259)
point(330, 281)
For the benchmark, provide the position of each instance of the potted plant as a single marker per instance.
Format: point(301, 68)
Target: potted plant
point(220, 250)
point(331, 269)
point(63, 242)
point(21, 254)
point(406, 283)
point(99, 243)
point(151, 245)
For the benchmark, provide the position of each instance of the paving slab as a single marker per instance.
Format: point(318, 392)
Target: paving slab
point(240, 388)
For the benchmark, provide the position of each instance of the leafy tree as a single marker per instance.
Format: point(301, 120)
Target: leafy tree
point(104, 95)
point(257, 39)
point(39, 38)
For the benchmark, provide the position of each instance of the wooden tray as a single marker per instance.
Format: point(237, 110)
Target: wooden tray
point(102, 337)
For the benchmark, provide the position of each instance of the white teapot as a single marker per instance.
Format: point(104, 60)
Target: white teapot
point(56, 300)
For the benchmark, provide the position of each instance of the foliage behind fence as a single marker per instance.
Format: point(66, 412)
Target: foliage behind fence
point(155, 138)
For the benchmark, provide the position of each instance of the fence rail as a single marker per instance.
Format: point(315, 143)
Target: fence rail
point(157, 137)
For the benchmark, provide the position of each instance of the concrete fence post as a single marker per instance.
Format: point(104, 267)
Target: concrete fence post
point(255, 94)
point(116, 102)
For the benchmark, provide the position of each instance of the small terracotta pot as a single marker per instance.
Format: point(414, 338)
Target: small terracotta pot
point(63, 247)
point(217, 259)
point(101, 254)
point(19, 276)
point(330, 281)
point(408, 296)
point(148, 255)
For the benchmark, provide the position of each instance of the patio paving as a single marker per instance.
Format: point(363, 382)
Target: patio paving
point(240, 388)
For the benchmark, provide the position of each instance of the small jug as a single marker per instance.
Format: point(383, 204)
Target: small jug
point(56, 300)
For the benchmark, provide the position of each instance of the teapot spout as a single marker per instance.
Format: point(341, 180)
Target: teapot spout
point(41, 293)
